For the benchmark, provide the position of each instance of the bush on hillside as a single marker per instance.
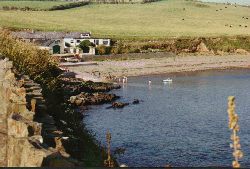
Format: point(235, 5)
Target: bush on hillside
point(30, 60)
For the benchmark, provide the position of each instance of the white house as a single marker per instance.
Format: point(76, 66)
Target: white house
point(60, 42)
point(75, 41)
point(97, 41)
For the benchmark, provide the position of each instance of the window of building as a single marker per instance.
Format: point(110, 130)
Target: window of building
point(85, 35)
point(105, 42)
point(97, 42)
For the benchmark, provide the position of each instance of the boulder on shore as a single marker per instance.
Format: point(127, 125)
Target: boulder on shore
point(241, 51)
point(202, 48)
point(119, 104)
point(136, 101)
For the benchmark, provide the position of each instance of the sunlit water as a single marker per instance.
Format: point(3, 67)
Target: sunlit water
point(182, 124)
point(241, 2)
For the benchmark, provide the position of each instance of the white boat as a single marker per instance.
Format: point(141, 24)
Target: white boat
point(167, 80)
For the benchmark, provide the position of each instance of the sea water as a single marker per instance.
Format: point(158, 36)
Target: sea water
point(183, 123)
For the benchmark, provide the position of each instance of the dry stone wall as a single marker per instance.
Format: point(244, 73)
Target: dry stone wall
point(18, 147)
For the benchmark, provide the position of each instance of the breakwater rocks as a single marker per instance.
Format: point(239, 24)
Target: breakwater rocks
point(22, 142)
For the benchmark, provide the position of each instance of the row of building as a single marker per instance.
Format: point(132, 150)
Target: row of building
point(62, 42)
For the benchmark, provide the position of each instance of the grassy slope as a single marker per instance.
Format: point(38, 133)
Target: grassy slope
point(31, 4)
point(160, 19)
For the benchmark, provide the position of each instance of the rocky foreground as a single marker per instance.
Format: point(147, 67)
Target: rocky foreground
point(21, 140)
point(37, 132)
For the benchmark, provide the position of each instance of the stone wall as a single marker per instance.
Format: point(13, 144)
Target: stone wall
point(18, 146)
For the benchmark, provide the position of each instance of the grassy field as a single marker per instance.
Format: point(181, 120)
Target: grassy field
point(31, 4)
point(167, 18)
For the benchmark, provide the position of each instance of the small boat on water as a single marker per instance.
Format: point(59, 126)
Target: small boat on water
point(167, 80)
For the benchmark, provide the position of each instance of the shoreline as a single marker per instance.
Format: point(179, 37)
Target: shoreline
point(193, 72)
point(112, 70)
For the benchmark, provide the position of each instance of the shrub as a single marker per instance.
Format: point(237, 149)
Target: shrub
point(67, 44)
point(84, 45)
point(103, 50)
point(6, 8)
point(30, 60)
point(114, 50)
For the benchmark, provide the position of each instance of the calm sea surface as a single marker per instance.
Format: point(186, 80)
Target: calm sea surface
point(182, 124)
point(242, 2)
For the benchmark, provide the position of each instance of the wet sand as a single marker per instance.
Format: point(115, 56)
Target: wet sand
point(163, 65)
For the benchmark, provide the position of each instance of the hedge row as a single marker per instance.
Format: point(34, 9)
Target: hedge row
point(68, 6)
point(53, 8)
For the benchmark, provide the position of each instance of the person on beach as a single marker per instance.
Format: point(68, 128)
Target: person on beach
point(126, 79)
point(149, 82)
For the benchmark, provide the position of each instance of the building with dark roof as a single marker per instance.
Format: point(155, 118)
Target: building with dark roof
point(60, 42)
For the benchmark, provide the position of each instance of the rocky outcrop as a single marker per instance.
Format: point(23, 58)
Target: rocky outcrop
point(74, 86)
point(84, 99)
point(136, 101)
point(118, 105)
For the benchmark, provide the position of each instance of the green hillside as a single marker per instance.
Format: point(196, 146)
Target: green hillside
point(167, 18)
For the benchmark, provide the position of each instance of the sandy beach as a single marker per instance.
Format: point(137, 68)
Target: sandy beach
point(163, 65)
